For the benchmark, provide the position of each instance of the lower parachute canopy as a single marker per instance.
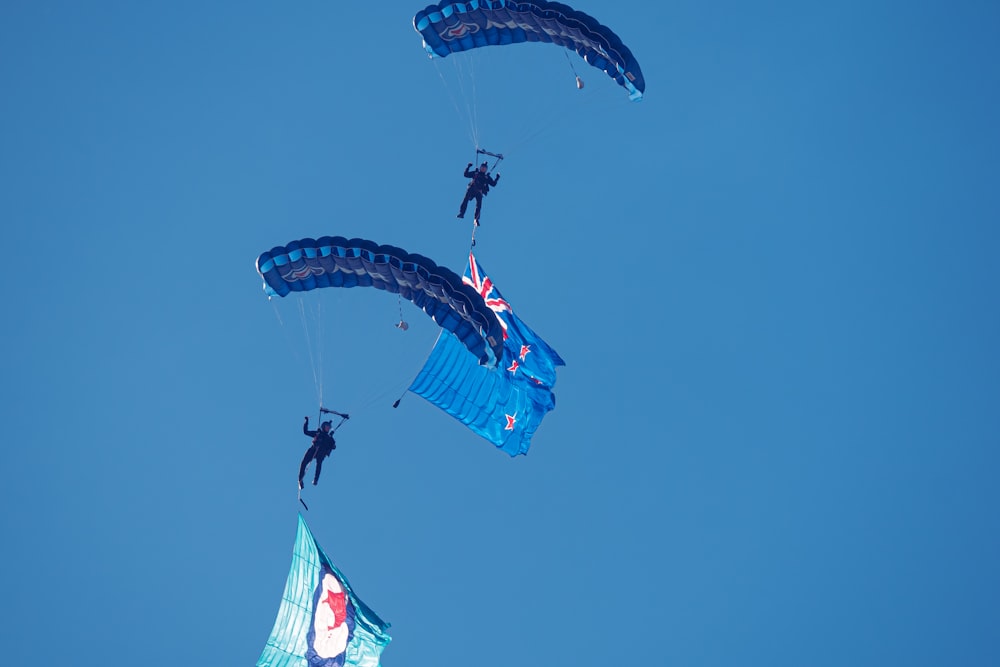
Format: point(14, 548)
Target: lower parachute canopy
point(450, 27)
point(333, 261)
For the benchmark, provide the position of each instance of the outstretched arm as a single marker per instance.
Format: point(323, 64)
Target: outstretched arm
point(306, 431)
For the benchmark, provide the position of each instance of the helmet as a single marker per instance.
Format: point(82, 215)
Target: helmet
point(326, 425)
point(483, 165)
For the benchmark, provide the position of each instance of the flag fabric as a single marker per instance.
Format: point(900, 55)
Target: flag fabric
point(321, 622)
point(504, 404)
point(524, 350)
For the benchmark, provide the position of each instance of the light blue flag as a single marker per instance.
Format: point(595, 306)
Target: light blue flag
point(321, 623)
point(504, 404)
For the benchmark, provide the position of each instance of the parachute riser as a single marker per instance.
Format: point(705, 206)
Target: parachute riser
point(579, 81)
point(343, 417)
point(498, 156)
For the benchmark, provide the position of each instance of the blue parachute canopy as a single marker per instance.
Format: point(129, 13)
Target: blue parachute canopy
point(449, 27)
point(321, 622)
point(333, 261)
point(505, 404)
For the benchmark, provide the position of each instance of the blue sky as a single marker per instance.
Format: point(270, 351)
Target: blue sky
point(773, 282)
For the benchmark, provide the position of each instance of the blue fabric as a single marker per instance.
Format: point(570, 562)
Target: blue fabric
point(321, 622)
point(450, 27)
point(522, 347)
point(333, 261)
point(505, 404)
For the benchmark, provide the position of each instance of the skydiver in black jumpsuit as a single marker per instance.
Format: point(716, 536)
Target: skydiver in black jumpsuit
point(478, 187)
point(322, 444)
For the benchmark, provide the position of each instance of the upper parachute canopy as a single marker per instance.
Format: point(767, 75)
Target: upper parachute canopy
point(333, 261)
point(450, 27)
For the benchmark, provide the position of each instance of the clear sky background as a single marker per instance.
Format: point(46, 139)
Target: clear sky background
point(774, 282)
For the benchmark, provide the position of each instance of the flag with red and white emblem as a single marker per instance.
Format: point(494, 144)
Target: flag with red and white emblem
point(321, 622)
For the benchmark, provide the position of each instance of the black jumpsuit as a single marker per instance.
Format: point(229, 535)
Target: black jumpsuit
point(478, 186)
point(322, 444)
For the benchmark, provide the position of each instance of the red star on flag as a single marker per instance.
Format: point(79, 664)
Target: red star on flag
point(525, 349)
point(510, 422)
point(514, 366)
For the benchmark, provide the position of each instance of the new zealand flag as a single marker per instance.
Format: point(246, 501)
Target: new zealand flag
point(505, 404)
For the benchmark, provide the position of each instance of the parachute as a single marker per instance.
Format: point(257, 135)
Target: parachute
point(333, 261)
point(450, 27)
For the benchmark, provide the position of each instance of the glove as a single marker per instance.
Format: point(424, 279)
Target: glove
point(307, 420)
point(469, 165)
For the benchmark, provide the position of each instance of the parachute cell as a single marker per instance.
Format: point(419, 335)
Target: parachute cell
point(450, 27)
point(333, 261)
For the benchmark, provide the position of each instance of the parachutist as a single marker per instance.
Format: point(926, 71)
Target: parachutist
point(478, 187)
point(322, 444)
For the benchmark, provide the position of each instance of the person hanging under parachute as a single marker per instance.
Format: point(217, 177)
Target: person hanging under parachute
point(322, 445)
point(478, 188)
point(488, 369)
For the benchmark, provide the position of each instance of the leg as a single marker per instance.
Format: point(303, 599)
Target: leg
point(465, 204)
point(305, 462)
point(319, 468)
point(479, 205)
